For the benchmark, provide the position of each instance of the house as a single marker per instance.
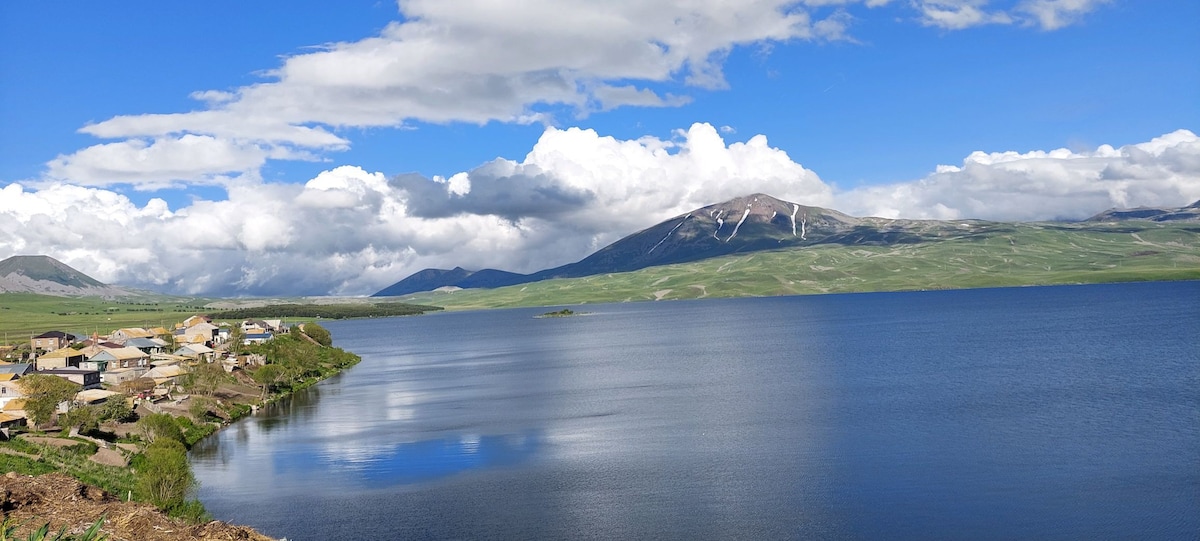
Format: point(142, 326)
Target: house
point(89, 379)
point(118, 376)
point(10, 390)
point(255, 326)
point(124, 335)
point(199, 333)
point(149, 346)
point(51, 340)
point(195, 351)
point(60, 358)
point(196, 320)
point(110, 359)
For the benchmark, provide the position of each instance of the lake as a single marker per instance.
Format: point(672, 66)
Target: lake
point(1068, 412)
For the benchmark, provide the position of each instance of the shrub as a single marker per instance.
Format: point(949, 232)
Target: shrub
point(164, 477)
point(157, 426)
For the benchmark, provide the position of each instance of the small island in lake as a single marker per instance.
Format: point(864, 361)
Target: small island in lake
point(565, 312)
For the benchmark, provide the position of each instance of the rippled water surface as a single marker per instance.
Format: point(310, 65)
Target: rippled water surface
point(1031, 413)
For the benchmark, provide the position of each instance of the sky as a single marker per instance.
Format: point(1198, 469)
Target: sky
point(316, 148)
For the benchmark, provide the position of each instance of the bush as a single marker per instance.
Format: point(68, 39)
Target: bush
point(158, 426)
point(164, 477)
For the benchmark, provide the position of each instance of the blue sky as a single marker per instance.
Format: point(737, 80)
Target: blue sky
point(166, 112)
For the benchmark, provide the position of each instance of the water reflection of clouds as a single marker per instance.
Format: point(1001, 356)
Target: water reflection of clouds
point(413, 462)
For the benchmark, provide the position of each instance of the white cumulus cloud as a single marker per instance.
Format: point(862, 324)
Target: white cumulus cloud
point(1041, 185)
point(353, 231)
point(479, 61)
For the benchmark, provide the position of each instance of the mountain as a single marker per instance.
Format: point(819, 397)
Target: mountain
point(1190, 213)
point(431, 279)
point(745, 224)
point(48, 276)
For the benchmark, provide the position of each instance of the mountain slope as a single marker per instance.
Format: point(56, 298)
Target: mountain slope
point(48, 276)
point(745, 224)
point(1190, 213)
point(980, 254)
point(759, 222)
point(431, 279)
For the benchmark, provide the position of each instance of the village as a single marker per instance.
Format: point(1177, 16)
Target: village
point(141, 366)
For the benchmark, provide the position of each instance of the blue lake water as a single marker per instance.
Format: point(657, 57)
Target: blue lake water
point(1027, 413)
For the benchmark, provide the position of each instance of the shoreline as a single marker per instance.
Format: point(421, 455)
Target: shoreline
point(211, 406)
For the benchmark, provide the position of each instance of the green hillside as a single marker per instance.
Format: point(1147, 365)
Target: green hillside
point(983, 256)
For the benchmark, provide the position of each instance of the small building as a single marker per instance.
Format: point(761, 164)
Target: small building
point(12, 413)
point(118, 376)
point(89, 379)
point(17, 369)
point(51, 340)
point(203, 333)
point(149, 346)
point(257, 338)
point(10, 390)
point(165, 375)
point(195, 351)
point(125, 335)
point(196, 320)
point(91, 397)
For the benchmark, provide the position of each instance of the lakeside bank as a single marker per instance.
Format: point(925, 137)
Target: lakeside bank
point(215, 398)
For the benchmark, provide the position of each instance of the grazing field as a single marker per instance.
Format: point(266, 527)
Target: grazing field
point(1019, 255)
point(26, 314)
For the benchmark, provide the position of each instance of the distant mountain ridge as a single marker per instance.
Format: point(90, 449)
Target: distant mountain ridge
point(45, 275)
point(745, 224)
point(1153, 214)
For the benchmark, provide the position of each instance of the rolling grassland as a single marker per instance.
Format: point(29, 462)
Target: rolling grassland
point(1012, 255)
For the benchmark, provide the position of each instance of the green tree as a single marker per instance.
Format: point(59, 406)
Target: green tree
point(267, 376)
point(117, 409)
point(164, 477)
point(160, 426)
point(87, 418)
point(236, 337)
point(200, 407)
point(43, 394)
point(318, 333)
point(204, 378)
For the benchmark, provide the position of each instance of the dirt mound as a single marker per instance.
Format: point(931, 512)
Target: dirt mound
point(63, 501)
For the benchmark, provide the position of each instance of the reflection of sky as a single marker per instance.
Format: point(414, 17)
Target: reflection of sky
point(766, 418)
point(419, 461)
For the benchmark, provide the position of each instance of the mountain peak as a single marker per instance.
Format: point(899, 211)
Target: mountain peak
point(743, 224)
point(48, 276)
point(46, 268)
